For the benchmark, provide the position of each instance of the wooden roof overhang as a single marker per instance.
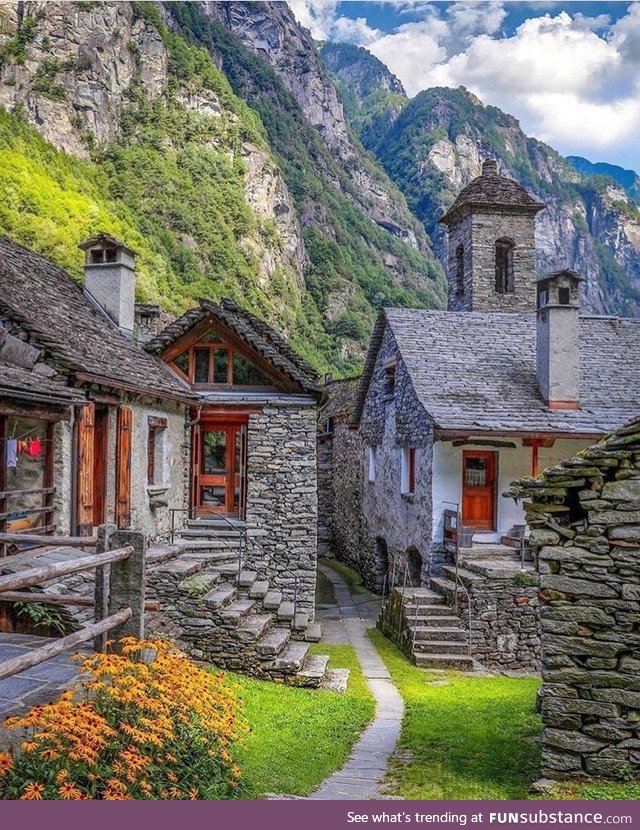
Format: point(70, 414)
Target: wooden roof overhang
point(458, 434)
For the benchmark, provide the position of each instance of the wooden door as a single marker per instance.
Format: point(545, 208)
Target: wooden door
point(219, 467)
point(124, 426)
point(100, 455)
point(85, 435)
point(479, 489)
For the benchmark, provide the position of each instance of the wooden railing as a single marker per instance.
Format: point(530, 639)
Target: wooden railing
point(118, 596)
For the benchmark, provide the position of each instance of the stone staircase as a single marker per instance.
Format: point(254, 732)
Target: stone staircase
point(234, 618)
point(426, 628)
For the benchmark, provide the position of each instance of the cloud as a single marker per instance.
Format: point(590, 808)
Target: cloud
point(572, 79)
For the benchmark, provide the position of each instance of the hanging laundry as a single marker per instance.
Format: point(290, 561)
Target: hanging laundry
point(22, 447)
point(12, 453)
point(34, 447)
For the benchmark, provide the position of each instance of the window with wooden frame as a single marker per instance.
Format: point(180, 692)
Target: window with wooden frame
point(155, 451)
point(211, 362)
point(408, 471)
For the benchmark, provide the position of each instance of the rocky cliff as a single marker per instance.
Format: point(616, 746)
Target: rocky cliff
point(433, 144)
point(257, 191)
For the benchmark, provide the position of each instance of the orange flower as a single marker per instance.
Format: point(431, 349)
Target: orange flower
point(6, 763)
point(29, 746)
point(33, 792)
point(68, 792)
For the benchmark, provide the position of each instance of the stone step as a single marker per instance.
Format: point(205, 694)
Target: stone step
point(237, 610)
point(273, 642)
point(285, 610)
point(434, 622)
point(494, 568)
point(200, 583)
point(418, 596)
point(335, 680)
point(312, 671)
point(259, 589)
point(313, 633)
point(292, 657)
point(216, 522)
point(300, 621)
point(179, 567)
point(467, 578)
point(211, 538)
point(228, 572)
point(443, 661)
point(442, 610)
point(445, 587)
point(246, 579)
point(440, 647)
point(161, 553)
point(487, 550)
point(253, 627)
point(212, 556)
point(220, 597)
point(448, 634)
point(272, 600)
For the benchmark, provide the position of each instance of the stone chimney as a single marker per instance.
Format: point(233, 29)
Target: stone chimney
point(110, 279)
point(557, 339)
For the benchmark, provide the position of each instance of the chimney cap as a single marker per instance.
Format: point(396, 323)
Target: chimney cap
point(562, 272)
point(490, 167)
point(107, 240)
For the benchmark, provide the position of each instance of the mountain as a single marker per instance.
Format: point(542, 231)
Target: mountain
point(210, 137)
point(628, 179)
point(432, 145)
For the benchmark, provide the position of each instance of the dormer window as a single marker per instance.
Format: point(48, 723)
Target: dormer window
point(211, 362)
point(505, 279)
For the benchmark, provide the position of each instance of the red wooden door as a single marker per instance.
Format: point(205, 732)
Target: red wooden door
point(85, 435)
point(479, 489)
point(219, 466)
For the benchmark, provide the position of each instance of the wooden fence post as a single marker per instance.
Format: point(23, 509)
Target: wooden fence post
point(127, 582)
point(101, 591)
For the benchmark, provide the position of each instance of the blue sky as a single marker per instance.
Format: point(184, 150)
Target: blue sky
point(569, 71)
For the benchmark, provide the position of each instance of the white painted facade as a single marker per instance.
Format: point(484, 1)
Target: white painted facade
point(513, 463)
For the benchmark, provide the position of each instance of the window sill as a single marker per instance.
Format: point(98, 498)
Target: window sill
point(157, 489)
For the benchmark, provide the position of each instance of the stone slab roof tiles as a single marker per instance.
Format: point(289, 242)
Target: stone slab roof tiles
point(45, 301)
point(491, 190)
point(476, 372)
point(255, 333)
point(21, 383)
point(338, 399)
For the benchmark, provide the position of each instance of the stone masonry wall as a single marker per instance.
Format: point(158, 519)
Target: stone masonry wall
point(392, 520)
point(478, 233)
point(585, 520)
point(282, 502)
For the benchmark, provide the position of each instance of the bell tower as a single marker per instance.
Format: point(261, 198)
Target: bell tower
point(491, 253)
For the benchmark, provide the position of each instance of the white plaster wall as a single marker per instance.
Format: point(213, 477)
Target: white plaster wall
point(512, 464)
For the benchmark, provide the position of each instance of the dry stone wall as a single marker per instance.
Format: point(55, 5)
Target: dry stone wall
point(585, 520)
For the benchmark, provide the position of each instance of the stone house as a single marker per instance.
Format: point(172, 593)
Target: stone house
point(253, 437)
point(117, 452)
point(585, 530)
point(455, 405)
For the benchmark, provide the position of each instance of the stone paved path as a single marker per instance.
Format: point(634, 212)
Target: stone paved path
point(39, 684)
point(360, 778)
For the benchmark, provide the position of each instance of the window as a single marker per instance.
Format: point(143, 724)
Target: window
point(408, 471)
point(156, 451)
point(564, 296)
point(371, 463)
point(389, 380)
point(329, 426)
point(459, 275)
point(212, 363)
point(505, 279)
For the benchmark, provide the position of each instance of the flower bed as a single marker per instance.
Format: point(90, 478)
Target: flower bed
point(146, 723)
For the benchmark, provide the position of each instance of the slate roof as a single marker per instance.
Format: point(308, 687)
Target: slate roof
point(338, 399)
point(492, 190)
point(476, 371)
point(45, 301)
point(23, 384)
point(255, 333)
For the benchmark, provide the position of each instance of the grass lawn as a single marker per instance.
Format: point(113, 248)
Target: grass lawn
point(463, 737)
point(299, 736)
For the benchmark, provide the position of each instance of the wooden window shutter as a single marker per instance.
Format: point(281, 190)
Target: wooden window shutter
point(85, 447)
point(123, 467)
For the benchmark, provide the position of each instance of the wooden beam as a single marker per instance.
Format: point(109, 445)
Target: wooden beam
point(22, 410)
point(61, 599)
point(28, 510)
point(8, 494)
point(50, 541)
point(40, 655)
point(34, 576)
point(510, 445)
